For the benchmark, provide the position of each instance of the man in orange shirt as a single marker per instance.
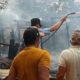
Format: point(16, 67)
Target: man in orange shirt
point(31, 63)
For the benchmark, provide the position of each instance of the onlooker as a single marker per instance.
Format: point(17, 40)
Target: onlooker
point(31, 63)
point(69, 62)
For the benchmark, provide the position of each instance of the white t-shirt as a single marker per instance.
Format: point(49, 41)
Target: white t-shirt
point(70, 59)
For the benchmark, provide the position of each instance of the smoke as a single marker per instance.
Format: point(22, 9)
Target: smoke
point(49, 11)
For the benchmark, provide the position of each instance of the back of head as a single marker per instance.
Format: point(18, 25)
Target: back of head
point(30, 35)
point(35, 21)
point(75, 38)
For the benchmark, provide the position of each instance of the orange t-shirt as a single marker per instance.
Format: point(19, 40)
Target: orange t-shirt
point(25, 65)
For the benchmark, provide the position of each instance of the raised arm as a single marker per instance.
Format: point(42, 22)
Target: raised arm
point(58, 24)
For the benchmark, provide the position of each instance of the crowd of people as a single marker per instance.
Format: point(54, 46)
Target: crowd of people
point(33, 63)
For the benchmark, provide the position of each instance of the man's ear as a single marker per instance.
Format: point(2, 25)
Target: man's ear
point(70, 42)
point(37, 25)
point(37, 42)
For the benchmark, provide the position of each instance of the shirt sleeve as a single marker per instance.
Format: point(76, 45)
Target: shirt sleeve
point(45, 30)
point(44, 60)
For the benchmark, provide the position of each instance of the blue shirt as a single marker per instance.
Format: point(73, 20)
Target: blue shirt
point(46, 31)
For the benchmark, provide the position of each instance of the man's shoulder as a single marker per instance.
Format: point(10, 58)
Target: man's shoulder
point(42, 50)
point(66, 52)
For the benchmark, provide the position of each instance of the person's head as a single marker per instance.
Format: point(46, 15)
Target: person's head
point(75, 38)
point(36, 22)
point(31, 37)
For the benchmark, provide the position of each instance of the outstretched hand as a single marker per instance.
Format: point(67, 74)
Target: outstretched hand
point(63, 18)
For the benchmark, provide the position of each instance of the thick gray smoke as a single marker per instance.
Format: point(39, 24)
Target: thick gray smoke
point(17, 13)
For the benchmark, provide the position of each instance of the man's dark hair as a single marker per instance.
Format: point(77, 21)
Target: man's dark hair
point(30, 35)
point(35, 21)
